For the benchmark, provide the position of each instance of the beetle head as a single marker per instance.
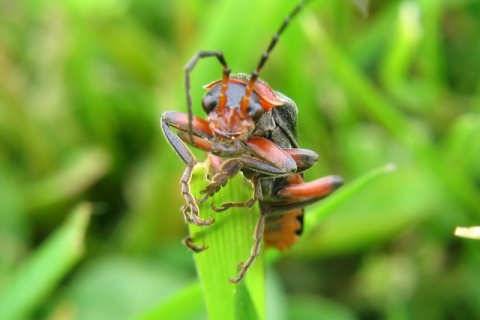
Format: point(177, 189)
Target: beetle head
point(229, 120)
point(232, 116)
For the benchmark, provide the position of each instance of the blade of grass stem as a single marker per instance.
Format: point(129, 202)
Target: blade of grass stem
point(229, 241)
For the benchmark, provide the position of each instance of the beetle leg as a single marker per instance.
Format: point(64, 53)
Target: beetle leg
point(284, 212)
point(257, 195)
point(304, 158)
point(255, 251)
point(268, 160)
point(188, 242)
point(314, 189)
point(270, 152)
point(178, 120)
point(199, 143)
point(191, 210)
point(228, 170)
point(231, 167)
point(299, 195)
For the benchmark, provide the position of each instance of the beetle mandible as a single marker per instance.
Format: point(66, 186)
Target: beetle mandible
point(249, 128)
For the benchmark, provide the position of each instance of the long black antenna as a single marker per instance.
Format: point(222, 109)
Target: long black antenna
point(266, 55)
point(189, 68)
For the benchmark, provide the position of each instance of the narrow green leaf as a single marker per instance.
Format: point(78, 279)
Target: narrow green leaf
point(46, 266)
point(404, 43)
point(85, 168)
point(244, 306)
point(229, 241)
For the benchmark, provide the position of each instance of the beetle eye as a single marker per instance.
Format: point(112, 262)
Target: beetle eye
point(255, 111)
point(209, 103)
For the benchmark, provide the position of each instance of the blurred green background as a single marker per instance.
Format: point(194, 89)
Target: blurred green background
point(82, 88)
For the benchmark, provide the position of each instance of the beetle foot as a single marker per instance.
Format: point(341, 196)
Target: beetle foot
point(190, 214)
point(190, 209)
point(226, 205)
point(209, 191)
point(219, 209)
point(188, 242)
point(203, 199)
point(242, 270)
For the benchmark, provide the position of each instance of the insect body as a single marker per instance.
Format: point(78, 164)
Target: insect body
point(249, 128)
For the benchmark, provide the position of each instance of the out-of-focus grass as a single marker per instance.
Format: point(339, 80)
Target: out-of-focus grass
point(83, 84)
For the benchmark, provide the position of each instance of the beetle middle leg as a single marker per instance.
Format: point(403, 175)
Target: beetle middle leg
point(228, 170)
point(286, 161)
point(231, 167)
point(257, 195)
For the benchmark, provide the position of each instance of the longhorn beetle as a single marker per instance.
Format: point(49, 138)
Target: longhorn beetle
point(249, 128)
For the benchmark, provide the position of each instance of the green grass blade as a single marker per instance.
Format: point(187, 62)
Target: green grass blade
point(42, 271)
point(229, 242)
point(244, 306)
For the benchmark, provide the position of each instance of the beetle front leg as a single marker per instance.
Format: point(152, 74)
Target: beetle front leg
point(190, 210)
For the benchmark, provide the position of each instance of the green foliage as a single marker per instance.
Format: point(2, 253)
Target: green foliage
point(41, 272)
point(82, 88)
point(229, 241)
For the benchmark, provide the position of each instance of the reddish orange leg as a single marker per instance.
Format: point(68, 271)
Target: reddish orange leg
point(316, 189)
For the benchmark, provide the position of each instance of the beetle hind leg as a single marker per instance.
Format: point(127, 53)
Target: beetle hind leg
point(316, 189)
point(254, 253)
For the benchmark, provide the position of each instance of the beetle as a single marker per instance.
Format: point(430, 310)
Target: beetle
point(250, 128)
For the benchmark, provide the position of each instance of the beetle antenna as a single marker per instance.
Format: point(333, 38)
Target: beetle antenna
point(222, 97)
point(266, 55)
